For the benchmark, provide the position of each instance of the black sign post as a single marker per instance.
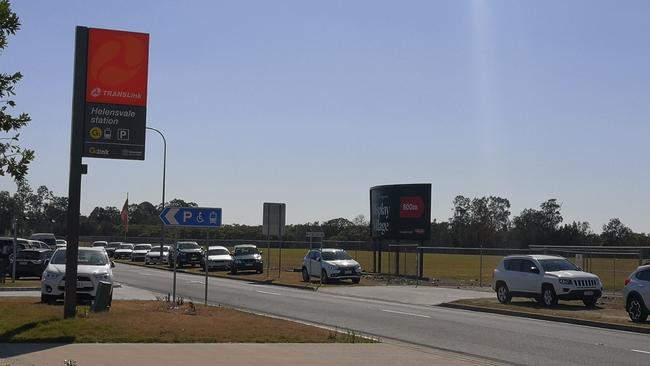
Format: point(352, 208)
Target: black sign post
point(74, 185)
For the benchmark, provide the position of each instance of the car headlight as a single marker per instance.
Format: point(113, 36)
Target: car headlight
point(565, 281)
point(50, 275)
point(102, 276)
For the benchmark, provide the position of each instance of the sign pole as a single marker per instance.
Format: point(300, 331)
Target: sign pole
point(207, 247)
point(74, 181)
point(174, 281)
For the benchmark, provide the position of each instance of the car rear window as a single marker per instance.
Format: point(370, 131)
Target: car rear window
point(644, 275)
point(29, 255)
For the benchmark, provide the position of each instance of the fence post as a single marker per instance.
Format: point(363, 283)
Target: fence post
point(480, 270)
point(614, 285)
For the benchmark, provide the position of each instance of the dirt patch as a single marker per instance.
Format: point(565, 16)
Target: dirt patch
point(25, 320)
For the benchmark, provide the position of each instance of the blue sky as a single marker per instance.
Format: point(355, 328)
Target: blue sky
point(312, 103)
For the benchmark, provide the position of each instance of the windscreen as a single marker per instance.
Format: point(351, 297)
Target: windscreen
point(336, 256)
point(86, 257)
point(188, 246)
point(142, 247)
point(157, 249)
point(218, 252)
point(554, 265)
point(126, 246)
point(114, 245)
point(246, 251)
point(99, 244)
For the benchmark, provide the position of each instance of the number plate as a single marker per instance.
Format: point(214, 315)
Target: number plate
point(589, 293)
point(348, 272)
point(22, 263)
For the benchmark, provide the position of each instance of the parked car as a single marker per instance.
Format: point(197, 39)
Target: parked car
point(47, 238)
point(153, 256)
point(546, 279)
point(330, 264)
point(139, 252)
point(37, 244)
point(32, 262)
point(124, 251)
point(246, 257)
point(112, 247)
point(218, 258)
point(93, 266)
point(7, 250)
point(60, 243)
point(185, 252)
point(637, 294)
point(99, 244)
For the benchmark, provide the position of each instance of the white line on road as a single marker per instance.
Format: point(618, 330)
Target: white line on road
point(268, 293)
point(200, 282)
point(403, 313)
point(639, 351)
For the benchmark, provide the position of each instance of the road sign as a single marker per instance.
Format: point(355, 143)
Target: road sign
point(273, 219)
point(191, 216)
point(315, 234)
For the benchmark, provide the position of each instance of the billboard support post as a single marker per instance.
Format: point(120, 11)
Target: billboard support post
point(74, 181)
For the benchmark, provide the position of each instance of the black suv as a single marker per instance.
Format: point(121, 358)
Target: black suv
point(185, 252)
point(7, 250)
point(32, 262)
point(246, 257)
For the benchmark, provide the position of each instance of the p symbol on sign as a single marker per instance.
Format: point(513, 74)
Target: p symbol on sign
point(123, 134)
point(187, 215)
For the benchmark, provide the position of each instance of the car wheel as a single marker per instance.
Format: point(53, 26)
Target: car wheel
point(549, 298)
point(636, 309)
point(323, 277)
point(305, 275)
point(503, 294)
point(590, 302)
point(356, 280)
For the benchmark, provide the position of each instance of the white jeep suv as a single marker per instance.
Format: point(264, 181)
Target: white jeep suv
point(93, 266)
point(546, 279)
point(331, 264)
point(637, 294)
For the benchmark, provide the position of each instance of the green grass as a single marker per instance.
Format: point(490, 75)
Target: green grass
point(26, 320)
point(21, 283)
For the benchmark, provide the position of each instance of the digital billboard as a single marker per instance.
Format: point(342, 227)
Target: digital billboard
point(401, 212)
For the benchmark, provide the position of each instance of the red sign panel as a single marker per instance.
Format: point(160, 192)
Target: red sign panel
point(117, 67)
point(411, 207)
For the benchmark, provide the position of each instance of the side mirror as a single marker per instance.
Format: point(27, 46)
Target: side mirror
point(318, 259)
point(46, 262)
point(534, 270)
point(261, 252)
point(112, 264)
point(580, 269)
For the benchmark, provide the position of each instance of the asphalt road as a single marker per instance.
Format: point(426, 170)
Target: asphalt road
point(494, 337)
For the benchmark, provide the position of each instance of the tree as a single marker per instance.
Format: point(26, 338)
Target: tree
point(14, 160)
point(616, 233)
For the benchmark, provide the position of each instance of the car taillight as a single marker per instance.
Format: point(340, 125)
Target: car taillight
point(627, 280)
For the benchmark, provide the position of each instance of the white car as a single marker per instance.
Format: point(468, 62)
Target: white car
point(140, 251)
point(330, 264)
point(124, 251)
point(545, 278)
point(100, 244)
point(219, 258)
point(93, 267)
point(153, 256)
point(637, 294)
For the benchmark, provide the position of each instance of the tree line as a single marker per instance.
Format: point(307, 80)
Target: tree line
point(474, 222)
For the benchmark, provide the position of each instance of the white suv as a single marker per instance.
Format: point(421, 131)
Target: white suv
point(330, 264)
point(93, 266)
point(637, 294)
point(546, 279)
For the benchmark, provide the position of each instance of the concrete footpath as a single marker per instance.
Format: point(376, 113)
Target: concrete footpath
point(230, 354)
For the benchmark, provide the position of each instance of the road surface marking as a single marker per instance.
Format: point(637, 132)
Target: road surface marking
point(201, 282)
point(403, 313)
point(639, 351)
point(268, 293)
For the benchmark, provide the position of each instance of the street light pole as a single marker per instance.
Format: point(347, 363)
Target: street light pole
point(162, 205)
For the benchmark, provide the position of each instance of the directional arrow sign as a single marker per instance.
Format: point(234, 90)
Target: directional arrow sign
point(191, 216)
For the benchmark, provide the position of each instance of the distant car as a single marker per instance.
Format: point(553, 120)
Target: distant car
point(61, 243)
point(185, 252)
point(330, 264)
point(99, 244)
point(112, 247)
point(153, 256)
point(246, 257)
point(124, 251)
point(37, 244)
point(545, 278)
point(637, 294)
point(47, 238)
point(7, 250)
point(32, 262)
point(218, 258)
point(139, 252)
point(93, 266)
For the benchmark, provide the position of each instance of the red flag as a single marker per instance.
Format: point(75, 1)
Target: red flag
point(124, 215)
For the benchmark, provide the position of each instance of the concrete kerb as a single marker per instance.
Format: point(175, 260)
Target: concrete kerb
point(20, 289)
point(263, 282)
point(521, 314)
